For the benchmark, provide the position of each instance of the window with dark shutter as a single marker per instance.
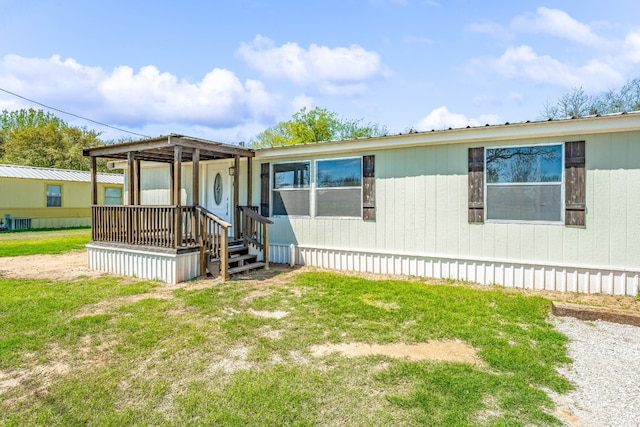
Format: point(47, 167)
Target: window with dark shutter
point(264, 189)
point(369, 188)
point(339, 187)
point(574, 172)
point(476, 185)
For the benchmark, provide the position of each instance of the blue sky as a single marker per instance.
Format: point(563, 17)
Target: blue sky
point(226, 70)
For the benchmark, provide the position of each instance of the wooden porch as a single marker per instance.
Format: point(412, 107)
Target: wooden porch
point(222, 248)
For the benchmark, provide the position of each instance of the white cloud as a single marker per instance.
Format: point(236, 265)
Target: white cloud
point(557, 23)
point(301, 101)
point(603, 62)
point(442, 118)
point(124, 96)
point(492, 28)
point(632, 47)
point(338, 71)
point(523, 62)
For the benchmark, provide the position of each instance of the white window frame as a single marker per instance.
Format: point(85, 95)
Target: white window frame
point(47, 195)
point(273, 189)
point(520, 221)
point(106, 188)
point(317, 188)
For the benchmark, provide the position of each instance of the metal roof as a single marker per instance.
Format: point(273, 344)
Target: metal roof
point(32, 172)
point(443, 130)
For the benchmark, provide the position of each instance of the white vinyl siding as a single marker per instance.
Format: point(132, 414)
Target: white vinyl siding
point(421, 210)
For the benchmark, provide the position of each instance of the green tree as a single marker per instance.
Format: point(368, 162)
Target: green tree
point(579, 104)
point(37, 138)
point(315, 125)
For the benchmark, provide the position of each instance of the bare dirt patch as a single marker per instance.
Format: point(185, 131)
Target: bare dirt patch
point(442, 350)
point(104, 307)
point(279, 314)
point(67, 266)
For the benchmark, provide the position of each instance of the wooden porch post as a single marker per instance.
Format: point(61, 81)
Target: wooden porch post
point(195, 198)
point(131, 173)
point(137, 200)
point(236, 196)
point(196, 177)
point(249, 182)
point(94, 196)
point(224, 255)
point(94, 182)
point(172, 183)
point(176, 191)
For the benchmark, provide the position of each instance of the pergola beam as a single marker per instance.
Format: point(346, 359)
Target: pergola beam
point(161, 149)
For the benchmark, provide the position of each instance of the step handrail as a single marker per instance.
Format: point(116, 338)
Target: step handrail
point(214, 240)
point(254, 229)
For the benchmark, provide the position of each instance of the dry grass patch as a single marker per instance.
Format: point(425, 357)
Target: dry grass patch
point(441, 350)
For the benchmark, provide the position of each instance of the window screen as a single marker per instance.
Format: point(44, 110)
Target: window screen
point(291, 188)
point(524, 183)
point(54, 195)
point(112, 196)
point(339, 187)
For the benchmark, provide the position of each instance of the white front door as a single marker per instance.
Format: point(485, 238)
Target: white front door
point(219, 194)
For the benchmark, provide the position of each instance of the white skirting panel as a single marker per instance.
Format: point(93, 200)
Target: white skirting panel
point(169, 268)
point(561, 278)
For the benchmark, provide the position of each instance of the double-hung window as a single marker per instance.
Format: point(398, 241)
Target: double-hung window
point(112, 196)
point(524, 183)
point(328, 188)
point(291, 188)
point(339, 187)
point(54, 196)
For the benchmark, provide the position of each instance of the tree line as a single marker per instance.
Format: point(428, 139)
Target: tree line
point(577, 103)
point(31, 137)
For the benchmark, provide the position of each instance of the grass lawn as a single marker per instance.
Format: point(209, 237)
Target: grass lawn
point(43, 242)
point(113, 351)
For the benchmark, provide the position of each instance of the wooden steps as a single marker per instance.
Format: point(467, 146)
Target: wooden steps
point(240, 260)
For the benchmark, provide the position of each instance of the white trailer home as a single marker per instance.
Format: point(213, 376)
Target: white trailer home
point(546, 205)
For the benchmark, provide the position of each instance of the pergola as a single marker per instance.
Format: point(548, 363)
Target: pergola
point(172, 149)
point(176, 229)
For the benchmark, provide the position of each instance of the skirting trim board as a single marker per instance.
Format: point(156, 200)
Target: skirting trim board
point(169, 268)
point(550, 277)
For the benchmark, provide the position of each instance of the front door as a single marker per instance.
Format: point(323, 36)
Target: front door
point(219, 194)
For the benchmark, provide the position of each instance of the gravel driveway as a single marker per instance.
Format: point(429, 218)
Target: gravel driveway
point(605, 373)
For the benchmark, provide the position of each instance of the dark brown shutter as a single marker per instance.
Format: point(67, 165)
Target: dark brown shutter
point(574, 187)
point(476, 184)
point(264, 189)
point(369, 188)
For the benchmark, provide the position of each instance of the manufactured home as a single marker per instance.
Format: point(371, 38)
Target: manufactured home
point(537, 205)
point(34, 197)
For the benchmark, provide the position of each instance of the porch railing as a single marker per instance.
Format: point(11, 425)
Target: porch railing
point(254, 230)
point(159, 226)
point(214, 241)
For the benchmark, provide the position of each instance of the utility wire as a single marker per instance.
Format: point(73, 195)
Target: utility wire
point(74, 115)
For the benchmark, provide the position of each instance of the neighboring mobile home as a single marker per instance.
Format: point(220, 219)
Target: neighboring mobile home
point(545, 205)
point(33, 197)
